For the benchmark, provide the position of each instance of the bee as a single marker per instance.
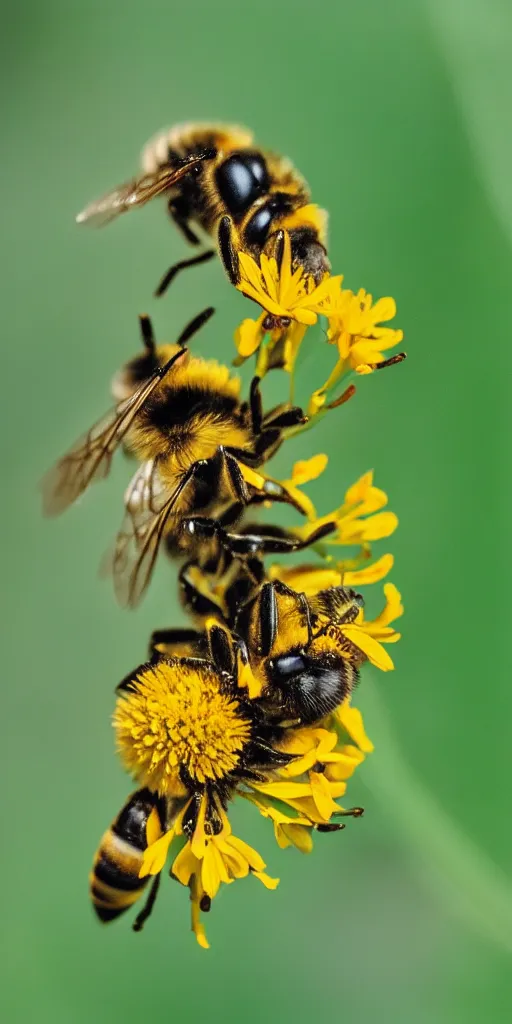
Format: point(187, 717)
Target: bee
point(294, 645)
point(213, 176)
point(198, 445)
point(115, 882)
point(298, 649)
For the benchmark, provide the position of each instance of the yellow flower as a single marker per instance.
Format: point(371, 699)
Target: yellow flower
point(302, 473)
point(298, 797)
point(369, 635)
point(176, 717)
point(354, 327)
point(284, 293)
point(360, 521)
point(206, 860)
point(311, 783)
point(287, 296)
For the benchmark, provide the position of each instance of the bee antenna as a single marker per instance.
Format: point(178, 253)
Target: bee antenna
point(195, 325)
point(146, 330)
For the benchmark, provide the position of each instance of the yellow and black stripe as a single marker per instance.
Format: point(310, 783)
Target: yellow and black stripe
point(114, 880)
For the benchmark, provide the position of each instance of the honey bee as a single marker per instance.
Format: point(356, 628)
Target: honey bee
point(294, 644)
point(115, 882)
point(213, 176)
point(198, 445)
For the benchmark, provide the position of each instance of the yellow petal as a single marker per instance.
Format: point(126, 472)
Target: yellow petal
point(393, 608)
point(184, 865)
point(384, 309)
point(343, 768)
point(210, 874)
point(268, 882)
point(155, 856)
point(322, 795)
point(249, 269)
point(370, 574)
point(197, 926)
point(252, 857)
point(269, 278)
point(153, 827)
point(352, 721)
point(199, 840)
point(309, 469)
point(307, 578)
point(248, 337)
point(304, 316)
point(360, 489)
point(298, 835)
point(284, 790)
point(379, 526)
point(370, 647)
point(247, 680)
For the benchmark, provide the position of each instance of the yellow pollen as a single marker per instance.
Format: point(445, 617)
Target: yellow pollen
point(177, 716)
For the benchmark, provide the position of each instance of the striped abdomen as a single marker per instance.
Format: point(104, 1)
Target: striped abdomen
point(114, 880)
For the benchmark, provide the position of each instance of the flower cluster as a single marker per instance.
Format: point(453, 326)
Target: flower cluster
point(253, 700)
point(292, 302)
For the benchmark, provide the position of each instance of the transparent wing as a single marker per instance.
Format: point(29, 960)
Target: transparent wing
point(148, 506)
point(135, 193)
point(90, 458)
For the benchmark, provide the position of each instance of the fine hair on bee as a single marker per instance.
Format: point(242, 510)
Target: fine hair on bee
point(115, 880)
point(216, 179)
point(307, 666)
point(295, 644)
point(198, 444)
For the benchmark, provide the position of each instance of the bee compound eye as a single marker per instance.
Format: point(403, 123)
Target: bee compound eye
point(258, 227)
point(288, 665)
point(241, 178)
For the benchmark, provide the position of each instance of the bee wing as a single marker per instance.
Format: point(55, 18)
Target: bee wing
point(148, 506)
point(90, 458)
point(136, 192)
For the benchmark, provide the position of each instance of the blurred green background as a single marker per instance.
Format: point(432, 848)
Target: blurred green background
point(398, 113)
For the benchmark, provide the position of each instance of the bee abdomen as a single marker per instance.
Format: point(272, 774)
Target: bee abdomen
point(114, 880)
point(114, 883)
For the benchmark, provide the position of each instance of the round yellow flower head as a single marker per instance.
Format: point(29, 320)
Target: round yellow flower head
point(175, 723)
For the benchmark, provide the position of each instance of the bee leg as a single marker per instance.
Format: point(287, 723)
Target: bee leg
point(179, 212)
point(228, 464)
point(281, 418)
point(221, 648)
point(193, 599)
point(170, 274)
point(256, 405)
point(169, 637)
point(147, 333)
point(195, 325)
point(301, 600)
point(227, 250)
point(141, 918)
point(269, 618)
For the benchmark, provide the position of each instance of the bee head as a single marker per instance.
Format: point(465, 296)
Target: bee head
point(309, 684)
